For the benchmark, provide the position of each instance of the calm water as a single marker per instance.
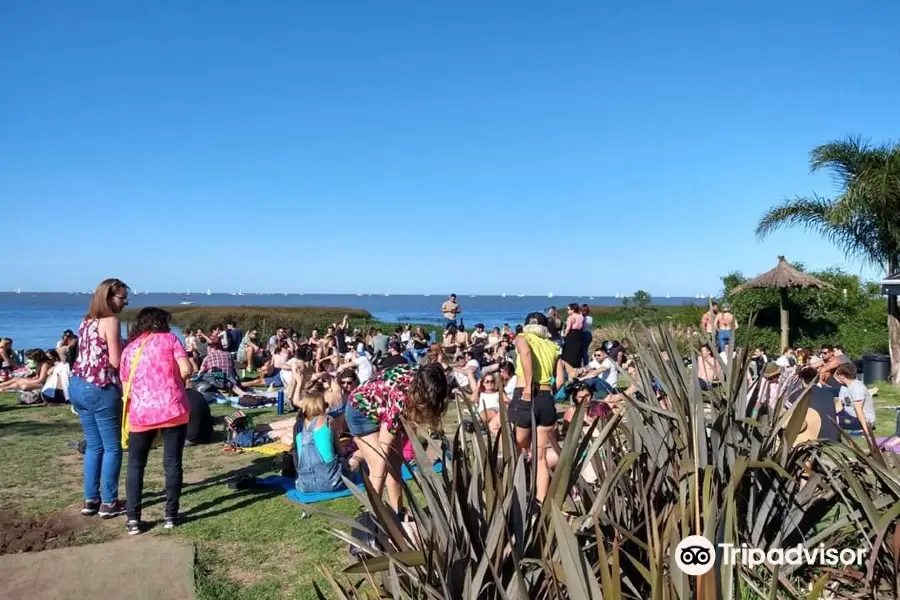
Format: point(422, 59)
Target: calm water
point(36, 320)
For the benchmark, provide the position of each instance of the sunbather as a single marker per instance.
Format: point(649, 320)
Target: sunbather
point(39, 364)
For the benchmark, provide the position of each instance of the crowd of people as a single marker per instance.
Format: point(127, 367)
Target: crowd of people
point(354, 389)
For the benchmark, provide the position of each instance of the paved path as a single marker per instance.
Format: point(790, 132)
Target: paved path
point(144, 568)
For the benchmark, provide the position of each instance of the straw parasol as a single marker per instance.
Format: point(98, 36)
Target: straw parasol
point(784, 276)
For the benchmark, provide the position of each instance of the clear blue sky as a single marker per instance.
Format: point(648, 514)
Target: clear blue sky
point(410, 146)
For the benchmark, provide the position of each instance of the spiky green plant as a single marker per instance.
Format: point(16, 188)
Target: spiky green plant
point(695, 463)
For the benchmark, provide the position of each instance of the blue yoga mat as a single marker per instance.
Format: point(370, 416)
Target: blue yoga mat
point(287, 484)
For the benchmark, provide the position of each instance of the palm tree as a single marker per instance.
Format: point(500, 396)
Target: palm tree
point(863, 220)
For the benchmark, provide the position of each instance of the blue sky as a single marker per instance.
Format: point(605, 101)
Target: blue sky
point(408, 146)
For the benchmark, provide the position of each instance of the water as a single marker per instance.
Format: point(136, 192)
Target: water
point(36, 320)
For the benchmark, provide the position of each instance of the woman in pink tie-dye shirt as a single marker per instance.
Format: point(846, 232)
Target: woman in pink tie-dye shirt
point(156, 366)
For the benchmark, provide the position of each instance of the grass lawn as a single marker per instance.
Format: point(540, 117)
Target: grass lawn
point(249, 544)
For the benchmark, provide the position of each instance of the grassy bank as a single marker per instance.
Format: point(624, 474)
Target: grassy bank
point(266, 319)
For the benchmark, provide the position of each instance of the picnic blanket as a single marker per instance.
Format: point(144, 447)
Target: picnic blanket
point(287, 484)
point(894, 446)
point(271, 449)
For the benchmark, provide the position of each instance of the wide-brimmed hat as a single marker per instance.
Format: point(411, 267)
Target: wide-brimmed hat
point(771, 370)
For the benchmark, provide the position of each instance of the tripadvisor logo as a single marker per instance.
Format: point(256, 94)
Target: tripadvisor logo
point(696, 555)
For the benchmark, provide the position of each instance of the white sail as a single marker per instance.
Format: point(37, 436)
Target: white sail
point(209, 292)
point(550, 295)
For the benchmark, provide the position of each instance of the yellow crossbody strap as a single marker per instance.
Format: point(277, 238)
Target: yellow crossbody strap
point(126, 390)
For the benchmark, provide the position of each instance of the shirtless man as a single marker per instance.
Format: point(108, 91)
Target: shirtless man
point(451, 310)
point(708, 322)
point(726, 325)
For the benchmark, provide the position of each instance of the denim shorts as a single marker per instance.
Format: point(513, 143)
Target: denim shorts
point(359, 424)
point(275, 379)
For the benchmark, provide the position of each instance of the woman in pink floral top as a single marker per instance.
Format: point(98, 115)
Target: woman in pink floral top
point(96, 395)
point(156, 365)
point(418, 394)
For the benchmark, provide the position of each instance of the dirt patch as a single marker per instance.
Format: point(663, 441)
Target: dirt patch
point(20, 534)
point(242, 577)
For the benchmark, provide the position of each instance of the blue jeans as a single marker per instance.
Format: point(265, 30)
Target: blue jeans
point(586, 349)
point(723, 337)
point(100, 411)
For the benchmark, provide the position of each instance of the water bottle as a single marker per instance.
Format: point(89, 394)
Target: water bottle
point(279, 403)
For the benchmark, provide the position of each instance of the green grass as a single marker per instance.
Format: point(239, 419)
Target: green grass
point(250, 545)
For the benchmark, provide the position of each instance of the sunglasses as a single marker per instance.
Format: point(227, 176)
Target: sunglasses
point(348, 382)
point(491, 381)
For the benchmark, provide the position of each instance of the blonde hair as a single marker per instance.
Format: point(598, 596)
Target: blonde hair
point(313, 404)
point(5, 343)
point(100, 302)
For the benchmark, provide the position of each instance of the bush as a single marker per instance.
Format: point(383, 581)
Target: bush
point(702, 464)
point(264, 319)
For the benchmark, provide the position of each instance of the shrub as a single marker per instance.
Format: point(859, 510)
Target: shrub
point(265, 319)
point(699, 464)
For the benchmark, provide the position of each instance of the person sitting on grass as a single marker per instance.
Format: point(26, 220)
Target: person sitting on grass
point(249, 352)
point(359, 361)
point(39, 365)
point(394, 356)
point(858, 408)
point(270, 373)
point(486, 398)
point(56, 388)
point(418, 394)
point(8, 360)
point(319, 458)
point(218, 359)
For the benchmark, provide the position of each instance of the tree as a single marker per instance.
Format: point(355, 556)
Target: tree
point(642, 299)
point(863, 220)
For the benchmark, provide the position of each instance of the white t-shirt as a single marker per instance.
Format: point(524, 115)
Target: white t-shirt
point(479, 336)
point(611, 375)
point(489, 401)
point(473, 364)
point(858, 392)
point(363, 368)
point(405, 337)
point(510, 387)
point(58, 379)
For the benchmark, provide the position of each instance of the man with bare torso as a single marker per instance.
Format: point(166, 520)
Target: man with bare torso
point(450, 309)
point(708, 322)
point(726, 325)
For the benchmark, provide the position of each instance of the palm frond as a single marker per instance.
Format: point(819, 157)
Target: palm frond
point(813, 213)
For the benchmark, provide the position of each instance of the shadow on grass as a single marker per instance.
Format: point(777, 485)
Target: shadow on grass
point(260, 465)
point(35, 427)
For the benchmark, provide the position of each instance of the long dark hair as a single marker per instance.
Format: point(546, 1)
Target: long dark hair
point(150, 320)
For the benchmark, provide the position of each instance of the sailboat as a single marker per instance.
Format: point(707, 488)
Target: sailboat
point(550, 295)
point(591, 298)
point(188, 292)
point(209, 292)
point(618, 295)
point(185, 302)
point(521, 295)
point(18, 290)
point(503, 295)
point(241, 292)
point(668, 295)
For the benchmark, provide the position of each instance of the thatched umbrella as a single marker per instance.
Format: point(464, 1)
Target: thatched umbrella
point(784, 276)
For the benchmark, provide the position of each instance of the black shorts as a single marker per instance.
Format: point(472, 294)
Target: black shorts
point(542, 406)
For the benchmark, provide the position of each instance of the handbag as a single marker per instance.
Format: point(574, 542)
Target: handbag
point(126, 390)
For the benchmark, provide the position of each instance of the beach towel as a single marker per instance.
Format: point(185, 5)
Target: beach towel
point(287, 484)
point(271, 449)
point(889, 444)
